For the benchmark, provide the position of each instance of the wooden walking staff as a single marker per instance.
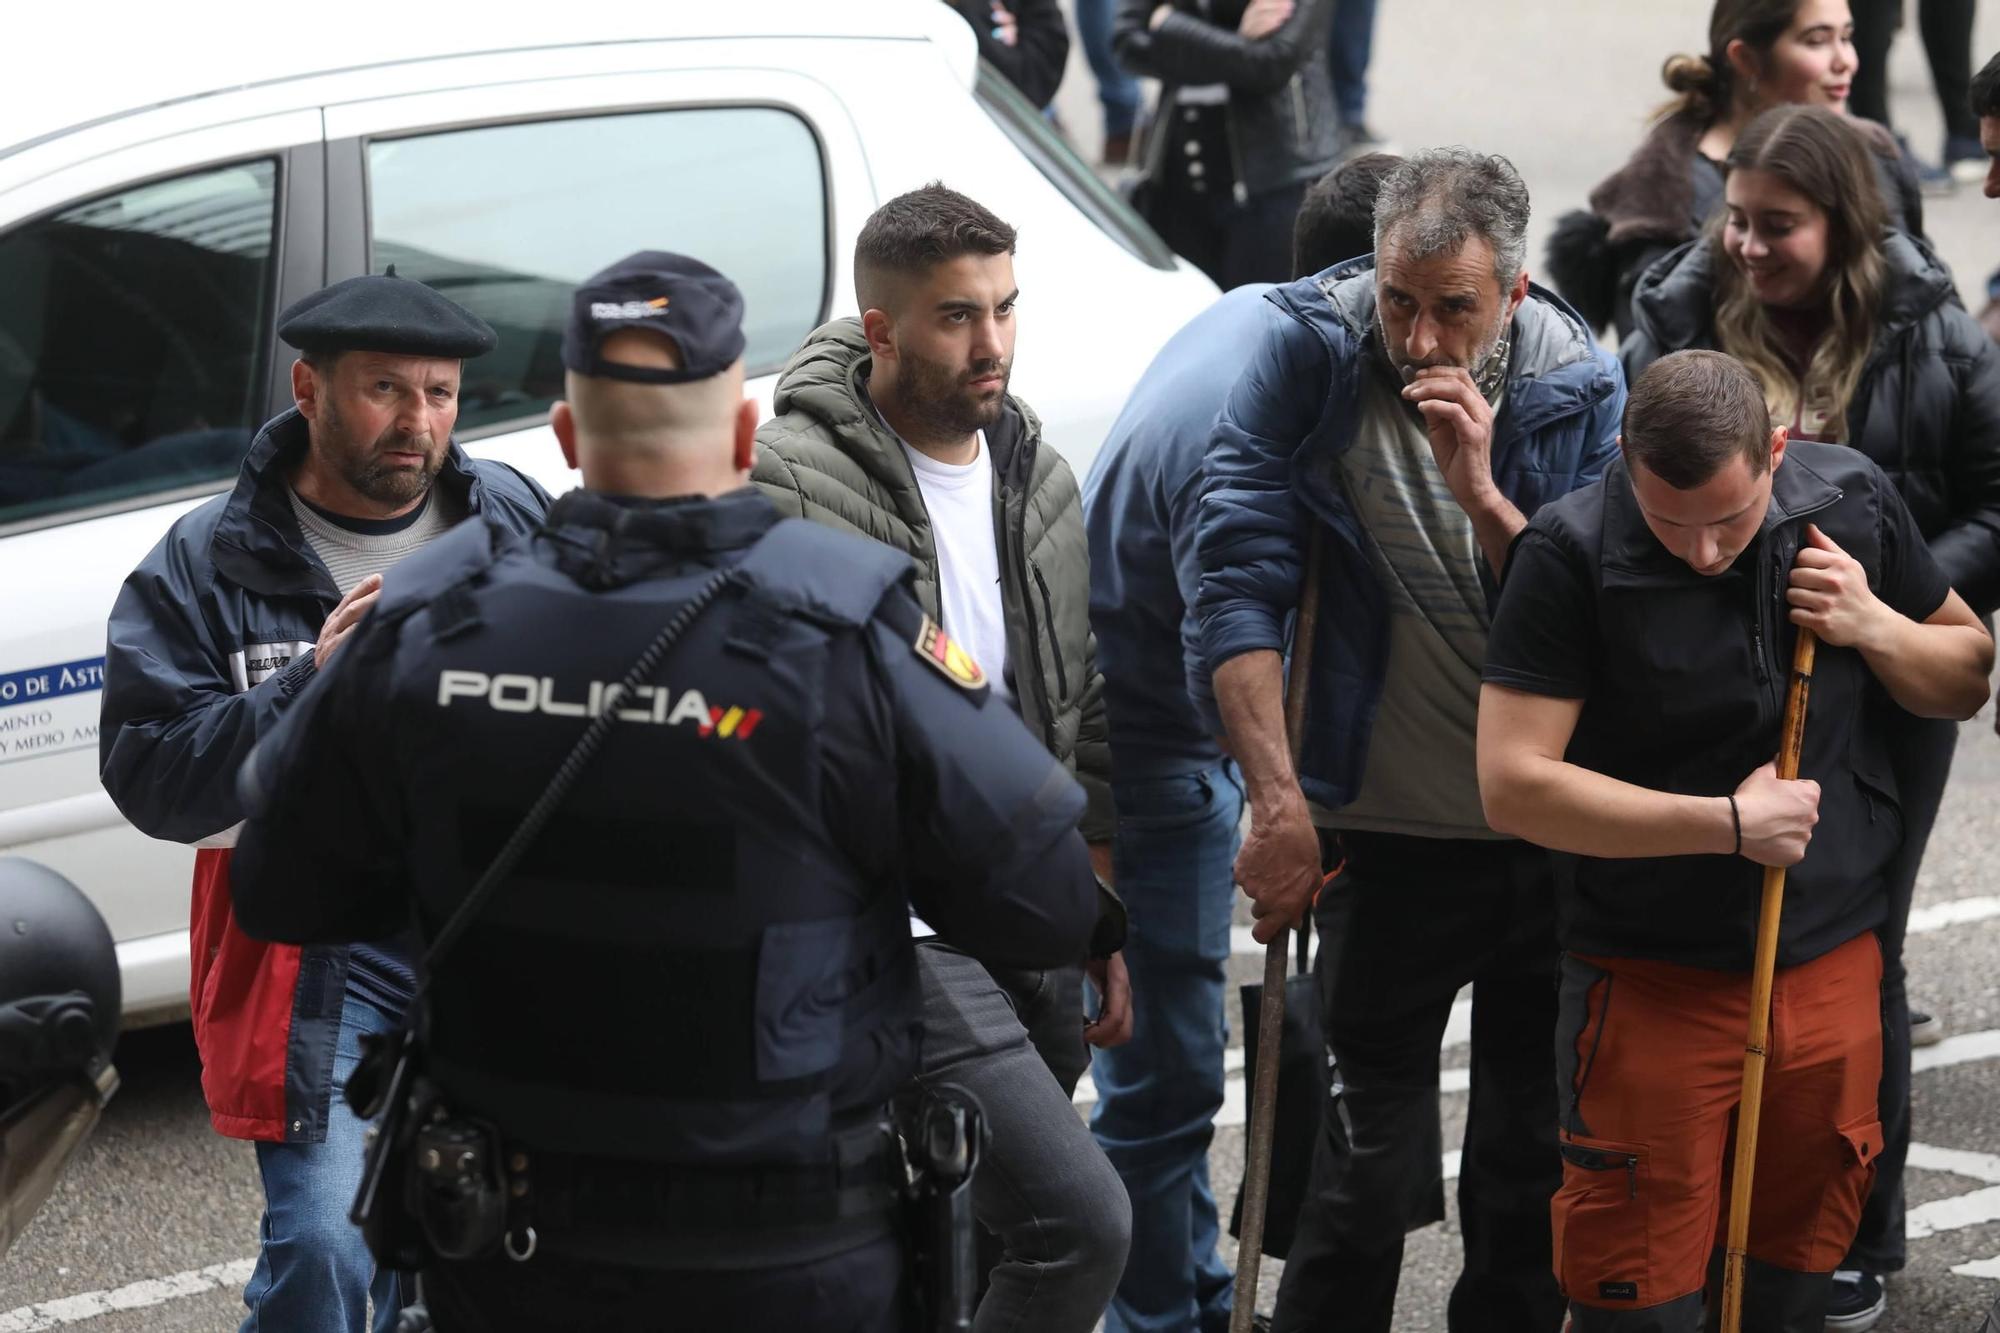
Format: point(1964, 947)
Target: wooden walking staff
point(1752, 1106)
point(1271, 1011)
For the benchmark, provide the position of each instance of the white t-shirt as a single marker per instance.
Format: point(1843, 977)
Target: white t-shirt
point(960, 500)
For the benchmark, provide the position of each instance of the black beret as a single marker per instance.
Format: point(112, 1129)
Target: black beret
point(682, 298)
point(384, 313)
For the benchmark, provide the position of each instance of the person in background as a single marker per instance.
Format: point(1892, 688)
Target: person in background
point(1632, 708)
point(899, 426)
point(1762, 53)
point(213, 639)
point(1985, 102)
point(1946, 28)
point(1179, 800)
point(1350, 43)
point(1412, 408)
point(1856, 336)
point(1245, 123)
point(1026, 40)
point(1117, 91)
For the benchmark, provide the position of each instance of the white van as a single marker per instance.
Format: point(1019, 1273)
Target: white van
point(166, 188)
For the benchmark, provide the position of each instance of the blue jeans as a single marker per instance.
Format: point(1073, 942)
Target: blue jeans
point(314, 1274)
point(1173, 856)
point(1349, 43)
point(1116, 90)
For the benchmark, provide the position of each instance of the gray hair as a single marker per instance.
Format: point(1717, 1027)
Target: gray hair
point(1437, 199)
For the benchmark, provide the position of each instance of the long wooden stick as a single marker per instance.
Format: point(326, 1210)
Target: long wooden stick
point(1271, 1012)
point(1752, 1106)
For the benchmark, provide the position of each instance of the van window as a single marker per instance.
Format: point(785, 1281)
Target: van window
point(133, 332)
point(1056, 160)
point(507, 219)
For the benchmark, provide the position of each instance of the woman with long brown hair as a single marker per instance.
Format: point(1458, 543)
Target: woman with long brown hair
point(1855, 333)
point(1761, 54)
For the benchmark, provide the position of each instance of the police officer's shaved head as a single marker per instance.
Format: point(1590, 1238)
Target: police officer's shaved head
point(915, 232)
point(654, 385)
point(618, 414)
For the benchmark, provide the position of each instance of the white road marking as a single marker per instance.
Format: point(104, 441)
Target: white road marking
point(137, 1296)
point(1958, 912)
point(1980, 1166)
point(1957, 1050)
point(1961, 1210)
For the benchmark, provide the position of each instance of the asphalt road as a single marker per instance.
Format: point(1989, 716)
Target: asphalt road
point(153, 1227)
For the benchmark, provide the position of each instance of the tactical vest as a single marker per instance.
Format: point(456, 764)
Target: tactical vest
point(685, 968)
point(1690, 673)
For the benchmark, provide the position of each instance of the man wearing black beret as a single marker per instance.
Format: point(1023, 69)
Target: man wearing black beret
point(211, 639)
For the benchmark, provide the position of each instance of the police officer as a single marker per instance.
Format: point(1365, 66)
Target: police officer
point(685, 1008)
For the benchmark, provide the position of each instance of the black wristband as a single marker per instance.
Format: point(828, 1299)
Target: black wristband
point(1736, 818)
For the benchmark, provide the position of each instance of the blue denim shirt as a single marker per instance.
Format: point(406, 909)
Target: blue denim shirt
point(1140, 504)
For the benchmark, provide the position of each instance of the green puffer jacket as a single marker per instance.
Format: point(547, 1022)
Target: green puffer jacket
point(826, 456)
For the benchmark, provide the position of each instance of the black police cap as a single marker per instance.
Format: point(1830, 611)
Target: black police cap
point(682, 298)
point(384, 313)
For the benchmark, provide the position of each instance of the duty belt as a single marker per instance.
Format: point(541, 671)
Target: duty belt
point(864, 1177)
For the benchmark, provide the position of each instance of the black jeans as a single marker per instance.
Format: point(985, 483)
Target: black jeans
point(1231, 241)
point(1060, 1222)
point(1922, 757)
point(856, 1292)
point(1946, 26)
point(1407, 922)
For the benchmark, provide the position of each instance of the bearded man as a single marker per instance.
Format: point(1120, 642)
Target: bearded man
point(211, 640)
point(1405, 416)
point(898, 425)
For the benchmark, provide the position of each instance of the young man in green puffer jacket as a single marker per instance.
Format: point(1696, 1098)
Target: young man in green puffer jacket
point(899, 426)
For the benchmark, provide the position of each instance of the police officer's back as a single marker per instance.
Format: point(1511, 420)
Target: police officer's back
point(685, 1008)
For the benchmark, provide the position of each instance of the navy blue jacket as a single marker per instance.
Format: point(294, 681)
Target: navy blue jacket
point(1273, 470)
point(1140, 504)
point(704, 956)
point(209, 643)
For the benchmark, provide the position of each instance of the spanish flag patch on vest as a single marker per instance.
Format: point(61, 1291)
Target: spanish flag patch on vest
point(937, 648)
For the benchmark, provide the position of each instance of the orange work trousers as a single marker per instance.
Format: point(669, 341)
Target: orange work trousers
point(1649, 1076)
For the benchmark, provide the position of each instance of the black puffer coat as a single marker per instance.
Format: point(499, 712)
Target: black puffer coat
point(1662, 198)
point(1927, 409)
point(1283, 128)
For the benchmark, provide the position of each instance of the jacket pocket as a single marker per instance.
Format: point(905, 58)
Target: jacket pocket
point(1863, 1137)
point(1602, 1223)
point(803, 985)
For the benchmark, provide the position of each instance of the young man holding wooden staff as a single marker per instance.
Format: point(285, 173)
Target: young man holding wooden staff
point(1634, 685)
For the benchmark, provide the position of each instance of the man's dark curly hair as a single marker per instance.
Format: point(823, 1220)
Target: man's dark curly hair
point(915, 232)
point(1986, 90)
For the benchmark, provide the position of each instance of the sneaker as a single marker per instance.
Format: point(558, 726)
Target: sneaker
point(1924, 1029)
point(1857, 1302)
point(1965, 159)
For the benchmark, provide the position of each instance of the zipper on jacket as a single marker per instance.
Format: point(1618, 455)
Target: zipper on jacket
point(1049, 619)
point(1298, 114)
point(1014, 545)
